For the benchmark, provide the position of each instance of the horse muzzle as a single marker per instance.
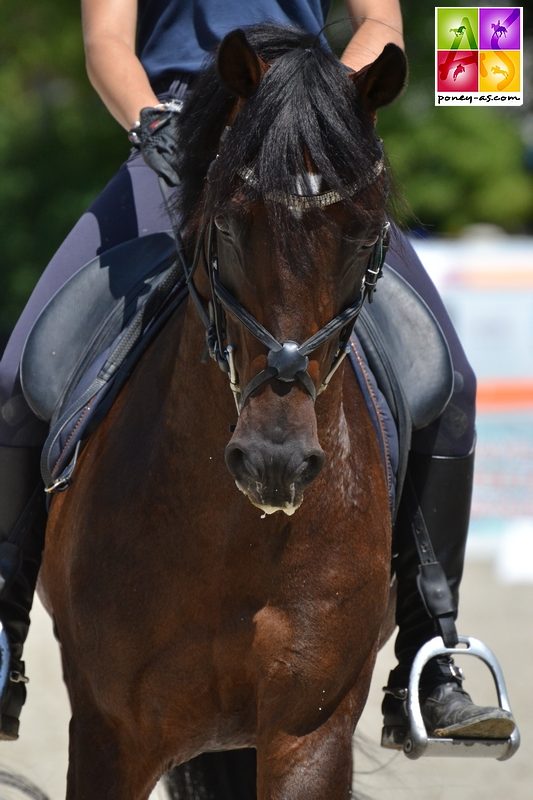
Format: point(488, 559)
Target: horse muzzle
point(273, 476)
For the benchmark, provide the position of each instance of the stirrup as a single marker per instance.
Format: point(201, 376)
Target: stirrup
point(417, 742)
point(5, 660)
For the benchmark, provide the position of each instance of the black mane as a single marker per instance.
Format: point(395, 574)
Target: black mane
point(304, 107)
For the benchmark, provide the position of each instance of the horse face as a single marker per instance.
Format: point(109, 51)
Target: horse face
point(275, 453)
point(297, 285)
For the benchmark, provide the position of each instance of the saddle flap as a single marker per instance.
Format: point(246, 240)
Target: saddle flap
point(86, 315)
point(400, 333)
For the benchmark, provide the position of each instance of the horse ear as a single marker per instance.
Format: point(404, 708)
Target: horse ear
point(239, 66)
point(381, 82)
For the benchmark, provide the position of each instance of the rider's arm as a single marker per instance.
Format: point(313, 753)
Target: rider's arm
point(375, 22)
point(109, 28)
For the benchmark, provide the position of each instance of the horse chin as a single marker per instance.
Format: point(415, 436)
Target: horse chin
point(267, 508)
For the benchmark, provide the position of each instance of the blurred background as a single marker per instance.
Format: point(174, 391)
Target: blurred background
point(467, 176)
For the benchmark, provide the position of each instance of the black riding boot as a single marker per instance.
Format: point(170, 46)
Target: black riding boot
point(22, 526)
point(443, 486)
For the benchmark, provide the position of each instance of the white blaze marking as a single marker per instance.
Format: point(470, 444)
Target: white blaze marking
point(306, 185)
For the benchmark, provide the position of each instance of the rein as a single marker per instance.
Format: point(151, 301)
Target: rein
point(286, 361)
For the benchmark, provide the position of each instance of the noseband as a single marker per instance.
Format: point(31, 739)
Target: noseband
point(286, 361)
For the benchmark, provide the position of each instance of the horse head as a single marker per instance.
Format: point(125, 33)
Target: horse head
point(290, 229)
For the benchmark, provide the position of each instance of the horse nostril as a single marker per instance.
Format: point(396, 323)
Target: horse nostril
point(273, 468)
point(311, 467)
point(235, 461)
point(239, 464)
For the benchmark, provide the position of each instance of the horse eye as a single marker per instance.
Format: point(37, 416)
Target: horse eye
point(222, 223)
point(362, 244)
point(369, 243)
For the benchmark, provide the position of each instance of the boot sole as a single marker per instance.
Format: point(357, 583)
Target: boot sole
point(393, 736)
point(488, 727)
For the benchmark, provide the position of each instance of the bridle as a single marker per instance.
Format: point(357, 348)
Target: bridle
point(286, 361)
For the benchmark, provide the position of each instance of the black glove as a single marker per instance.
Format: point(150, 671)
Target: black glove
point(156, 136)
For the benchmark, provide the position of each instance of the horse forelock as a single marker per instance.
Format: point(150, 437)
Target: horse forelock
point(305, 111)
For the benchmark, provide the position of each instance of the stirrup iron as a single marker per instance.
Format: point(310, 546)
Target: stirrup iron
point(417, 742)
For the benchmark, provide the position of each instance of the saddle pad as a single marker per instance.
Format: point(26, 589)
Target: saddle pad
point(86, 315)
point(92, 398)
point(381, 416)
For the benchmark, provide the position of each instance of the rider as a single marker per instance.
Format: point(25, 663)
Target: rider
point(142, 54)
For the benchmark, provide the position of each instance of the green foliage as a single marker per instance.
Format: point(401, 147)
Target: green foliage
point(457, 166)
point(58, 145)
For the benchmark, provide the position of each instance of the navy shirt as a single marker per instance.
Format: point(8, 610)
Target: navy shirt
point(176, 36)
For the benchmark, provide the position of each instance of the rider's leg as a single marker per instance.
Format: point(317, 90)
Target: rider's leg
point(22, 527)
point(129, 207)
point(441, 468)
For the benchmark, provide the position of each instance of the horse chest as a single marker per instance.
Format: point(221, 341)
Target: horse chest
point(310, 655)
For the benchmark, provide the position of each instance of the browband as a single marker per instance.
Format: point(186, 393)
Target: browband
point(303, 202)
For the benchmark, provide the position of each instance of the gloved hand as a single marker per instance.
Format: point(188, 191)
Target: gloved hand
point(156, 136)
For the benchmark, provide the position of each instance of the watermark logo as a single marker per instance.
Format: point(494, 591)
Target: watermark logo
point(478, 56)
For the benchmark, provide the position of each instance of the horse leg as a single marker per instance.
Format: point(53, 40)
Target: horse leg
point(105, 763)
point(313, 766)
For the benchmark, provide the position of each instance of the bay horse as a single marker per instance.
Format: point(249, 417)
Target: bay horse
point(202, 605)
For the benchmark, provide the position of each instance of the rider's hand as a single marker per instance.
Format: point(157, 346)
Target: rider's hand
point(156, 136)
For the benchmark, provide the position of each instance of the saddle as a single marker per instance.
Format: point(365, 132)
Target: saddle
point(88, 338)
point(91, 334)
point(409, 356)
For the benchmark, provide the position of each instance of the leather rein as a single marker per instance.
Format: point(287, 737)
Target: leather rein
point(286, 361)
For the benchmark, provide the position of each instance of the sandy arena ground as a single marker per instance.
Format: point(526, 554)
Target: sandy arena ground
point(492, 610)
